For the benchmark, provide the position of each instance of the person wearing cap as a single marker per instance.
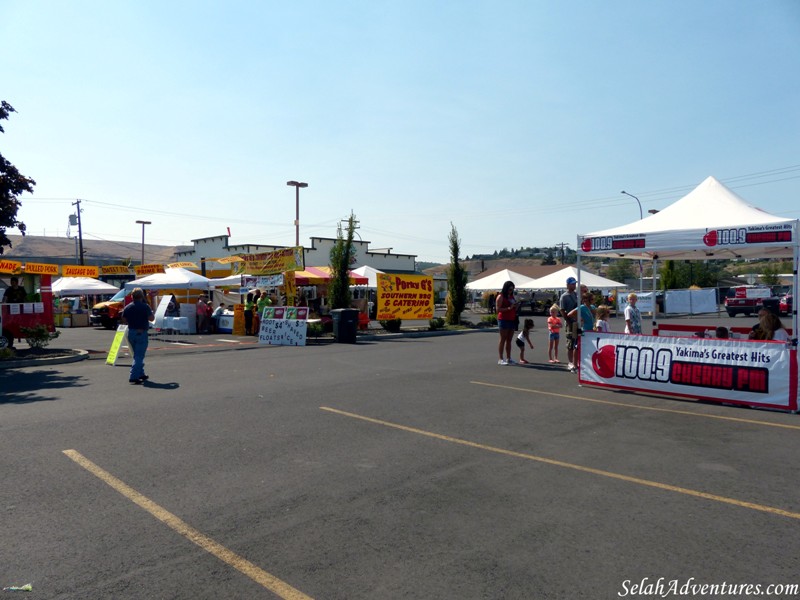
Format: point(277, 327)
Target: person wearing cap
point(567, 303)
point(137, 316)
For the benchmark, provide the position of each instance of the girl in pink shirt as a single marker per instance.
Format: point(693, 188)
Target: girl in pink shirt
point(554, 329)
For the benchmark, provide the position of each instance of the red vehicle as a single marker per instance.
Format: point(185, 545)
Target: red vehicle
point(785, 305)
point(746, 299)
point(13, 317)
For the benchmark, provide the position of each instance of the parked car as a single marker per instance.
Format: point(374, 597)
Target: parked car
point(785, 305)
point(748, 299)
point(107, 313)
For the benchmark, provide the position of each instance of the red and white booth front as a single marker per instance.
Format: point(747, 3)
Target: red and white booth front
point(711, 222)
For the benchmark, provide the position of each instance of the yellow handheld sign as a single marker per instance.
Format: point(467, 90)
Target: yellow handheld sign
point(111, 359)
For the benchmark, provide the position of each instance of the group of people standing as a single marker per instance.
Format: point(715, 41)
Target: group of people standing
point(254, 305)
point(589, 317)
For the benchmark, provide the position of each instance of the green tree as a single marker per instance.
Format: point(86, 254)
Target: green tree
point(342, 257)
point(669, 278)
point(620, 270)
point(684, 274)
point(770, 275)
point(12, 184)
point(549, 258)
point(456, 281)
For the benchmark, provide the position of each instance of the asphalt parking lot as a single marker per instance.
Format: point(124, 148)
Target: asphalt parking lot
point(397, 468)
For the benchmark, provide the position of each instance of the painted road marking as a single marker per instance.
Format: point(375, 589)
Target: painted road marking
point(639, 406)
point(558, 463)
point(270, 582)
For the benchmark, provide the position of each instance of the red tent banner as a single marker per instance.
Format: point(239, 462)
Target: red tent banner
point(746, 372)
point(322, 275)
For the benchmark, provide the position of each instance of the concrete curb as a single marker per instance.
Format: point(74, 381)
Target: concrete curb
point(420, 334)
point(44, 361)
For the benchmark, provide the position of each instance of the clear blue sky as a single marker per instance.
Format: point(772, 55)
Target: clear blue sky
point(518, 121)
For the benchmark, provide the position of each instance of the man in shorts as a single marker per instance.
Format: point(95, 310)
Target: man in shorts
point(567, 303)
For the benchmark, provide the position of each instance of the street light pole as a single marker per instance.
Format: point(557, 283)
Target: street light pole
point(641, 269)
point(143, 224)
point(297, 185)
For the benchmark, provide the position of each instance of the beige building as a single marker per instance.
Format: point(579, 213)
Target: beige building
point(204, 250)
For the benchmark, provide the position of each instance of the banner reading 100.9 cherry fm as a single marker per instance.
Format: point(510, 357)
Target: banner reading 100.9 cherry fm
point(752, 373)
point(404, 297)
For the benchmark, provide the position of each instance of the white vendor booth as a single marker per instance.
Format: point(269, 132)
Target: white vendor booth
point(711, 222)
point(173, 278)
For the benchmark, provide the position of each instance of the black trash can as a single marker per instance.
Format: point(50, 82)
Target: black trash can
point(345, 325)
point(772, 305)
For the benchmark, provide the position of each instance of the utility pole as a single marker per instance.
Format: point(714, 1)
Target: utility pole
point(563, 255)
point(80, 233)
point(297, 185)
point(143, 223)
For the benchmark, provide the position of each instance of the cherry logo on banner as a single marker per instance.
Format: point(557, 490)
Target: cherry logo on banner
point(604, 361)
point(586, 245)
point(710, 238)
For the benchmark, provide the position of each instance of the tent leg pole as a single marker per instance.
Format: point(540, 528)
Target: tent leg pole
point(655, 300)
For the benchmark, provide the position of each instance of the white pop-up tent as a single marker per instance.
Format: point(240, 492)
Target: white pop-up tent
point(495, 281)
point(173, 278)
point(76, 286)
point(370, 273)
point(558, 280)
point(711, 222)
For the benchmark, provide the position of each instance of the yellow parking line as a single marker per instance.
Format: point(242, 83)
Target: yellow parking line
point(558, 463)
point(639, 406)
point(270, 582)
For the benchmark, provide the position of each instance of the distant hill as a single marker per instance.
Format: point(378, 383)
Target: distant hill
point(530, 267)
point(63, 250)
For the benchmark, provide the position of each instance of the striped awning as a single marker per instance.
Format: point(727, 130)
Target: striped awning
point(322, 275)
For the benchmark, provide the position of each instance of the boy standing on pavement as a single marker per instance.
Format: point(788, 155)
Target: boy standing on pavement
point(137, 315)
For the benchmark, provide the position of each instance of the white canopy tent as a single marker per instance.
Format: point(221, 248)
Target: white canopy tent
point(173, 278)
point(370, 273)
point(76, 286)
point(711, 222)
point(558, 280)
point(229, 281)
point(496, 281)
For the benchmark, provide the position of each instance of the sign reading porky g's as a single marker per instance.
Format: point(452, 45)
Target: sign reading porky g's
point(405, 297)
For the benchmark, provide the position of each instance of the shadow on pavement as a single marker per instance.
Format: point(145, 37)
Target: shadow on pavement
point(27, 387)
point(161, 386)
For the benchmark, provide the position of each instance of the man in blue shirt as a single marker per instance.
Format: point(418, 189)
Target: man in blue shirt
point(138, 315)
point(567, 303)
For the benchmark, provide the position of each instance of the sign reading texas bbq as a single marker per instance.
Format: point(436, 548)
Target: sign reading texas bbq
point(711, 222)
